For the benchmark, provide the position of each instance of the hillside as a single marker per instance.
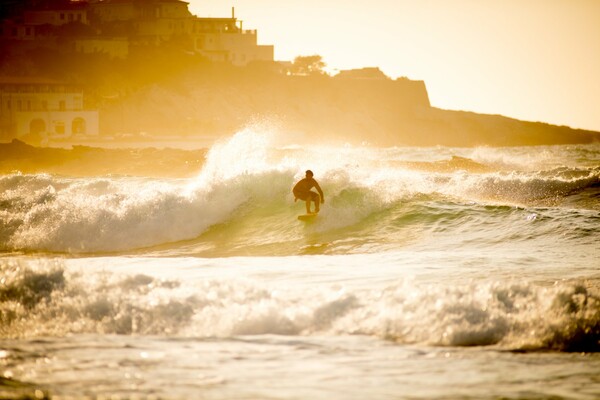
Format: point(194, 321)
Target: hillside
point(378, 111)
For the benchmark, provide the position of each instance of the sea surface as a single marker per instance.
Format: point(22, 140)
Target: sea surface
point(430, 273)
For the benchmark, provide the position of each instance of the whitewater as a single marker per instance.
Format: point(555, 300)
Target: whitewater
point(431, 272)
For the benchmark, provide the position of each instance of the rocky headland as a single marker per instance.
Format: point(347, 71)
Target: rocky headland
point(378, 111)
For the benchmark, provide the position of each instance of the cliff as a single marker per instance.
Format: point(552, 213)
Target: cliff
point(377, 111)
point(312, 106)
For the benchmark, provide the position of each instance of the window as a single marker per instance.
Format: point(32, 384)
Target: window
point(62, 105)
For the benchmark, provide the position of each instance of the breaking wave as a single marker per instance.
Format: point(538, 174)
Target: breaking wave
point(243, 191)
point(50, 300)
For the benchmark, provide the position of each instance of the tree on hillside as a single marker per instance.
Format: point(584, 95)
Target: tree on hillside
point(308, 65)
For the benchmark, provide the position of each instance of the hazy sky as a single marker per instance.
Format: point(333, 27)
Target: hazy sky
point(536, 60)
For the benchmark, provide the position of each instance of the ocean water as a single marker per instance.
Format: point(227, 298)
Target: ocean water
point(430, 273)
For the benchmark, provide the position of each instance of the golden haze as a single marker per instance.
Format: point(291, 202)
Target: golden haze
point(204, 78)
point(534, 60)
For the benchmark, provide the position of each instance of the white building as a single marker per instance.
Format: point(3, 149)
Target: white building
point(221, 39)
point(44, 109)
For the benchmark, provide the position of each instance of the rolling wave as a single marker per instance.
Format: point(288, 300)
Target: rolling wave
point(241, 203)
point(514, 316)
point(256, 212)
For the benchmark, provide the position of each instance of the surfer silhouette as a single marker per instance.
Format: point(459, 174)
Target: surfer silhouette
point(302, 191)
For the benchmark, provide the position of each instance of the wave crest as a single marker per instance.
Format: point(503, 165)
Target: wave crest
point(244, 190)
point(514, 316)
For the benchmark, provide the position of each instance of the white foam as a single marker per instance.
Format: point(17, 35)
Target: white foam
point(514, 315)
point(250, 169)
point(120, 214)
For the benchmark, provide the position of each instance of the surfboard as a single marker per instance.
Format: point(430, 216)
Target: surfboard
point(307, 217)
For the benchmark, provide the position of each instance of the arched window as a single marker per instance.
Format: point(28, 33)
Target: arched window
point(78, 126)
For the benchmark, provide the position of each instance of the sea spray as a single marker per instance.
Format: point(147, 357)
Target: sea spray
point(52, 300)
point(435, 272)
point(246, 184)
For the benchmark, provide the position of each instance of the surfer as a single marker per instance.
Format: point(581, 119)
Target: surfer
point(302, 191)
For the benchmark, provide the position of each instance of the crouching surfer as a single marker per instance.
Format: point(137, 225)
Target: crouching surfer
point(302, 191)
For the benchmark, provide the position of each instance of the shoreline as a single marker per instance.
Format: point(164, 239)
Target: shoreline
point(85, 160)
point(175, 142)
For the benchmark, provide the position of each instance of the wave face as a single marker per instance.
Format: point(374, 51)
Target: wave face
point(49, 300)
point(376, 200)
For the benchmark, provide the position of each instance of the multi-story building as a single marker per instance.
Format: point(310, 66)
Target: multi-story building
point(145, 22)
point(157, 21)
point(12, 30)
point(38, 22)
point(56, 15)
point(127, 10)
point(114, 26)
point(222, 39)
point(43, 108)
point(32, 106)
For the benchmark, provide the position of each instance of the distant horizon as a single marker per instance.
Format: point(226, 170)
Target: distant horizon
point(531, 60)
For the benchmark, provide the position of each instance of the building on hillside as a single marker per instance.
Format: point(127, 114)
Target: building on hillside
point(157, 21)
point(145, 22)
point(37, 108)
point(41, 26)
point(58, 14)
point(222, 39)
point(160, 30)
point(107, 11)
point(111, 11)
point(15, 30)
point(103, 26)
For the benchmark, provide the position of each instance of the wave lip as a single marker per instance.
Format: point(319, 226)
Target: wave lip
point(78, 216)
point(246, 182)
point(51, 214)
